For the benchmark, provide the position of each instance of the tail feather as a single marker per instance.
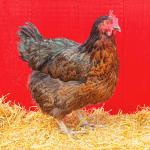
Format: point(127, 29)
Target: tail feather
point(26, 32)
point(30, 31)
point(29, 37)
point(33, 48)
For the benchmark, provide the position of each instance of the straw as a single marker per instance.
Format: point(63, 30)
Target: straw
point(21, 129)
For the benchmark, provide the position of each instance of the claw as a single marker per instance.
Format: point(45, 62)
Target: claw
point(68, 131)
point(85, 123)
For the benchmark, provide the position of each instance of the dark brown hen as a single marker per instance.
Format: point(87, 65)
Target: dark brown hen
point(68, 76)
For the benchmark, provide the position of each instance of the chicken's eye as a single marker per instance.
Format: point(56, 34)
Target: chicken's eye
point(109, 21)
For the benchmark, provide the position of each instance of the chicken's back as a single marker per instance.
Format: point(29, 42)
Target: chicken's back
point(37, 50)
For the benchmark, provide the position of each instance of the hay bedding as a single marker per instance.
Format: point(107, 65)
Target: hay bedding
point(31, 130)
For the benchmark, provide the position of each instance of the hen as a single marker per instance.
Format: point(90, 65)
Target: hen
point(67, 75)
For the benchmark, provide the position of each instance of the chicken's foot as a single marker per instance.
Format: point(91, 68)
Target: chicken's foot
point(85, 123)
point(66, 130)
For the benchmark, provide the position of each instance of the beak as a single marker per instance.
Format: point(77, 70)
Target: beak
point(117, 28)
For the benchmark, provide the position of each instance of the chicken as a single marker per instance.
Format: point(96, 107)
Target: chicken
point(67, 75)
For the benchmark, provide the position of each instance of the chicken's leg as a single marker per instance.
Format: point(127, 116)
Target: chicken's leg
point(66, 130)
point(81, 118)
point(63, 127)
point(84, 123)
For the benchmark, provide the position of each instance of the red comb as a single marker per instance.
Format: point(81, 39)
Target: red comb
point(115, 19)
point(111, 13)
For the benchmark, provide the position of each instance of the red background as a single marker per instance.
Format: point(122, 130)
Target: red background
point(73, 19)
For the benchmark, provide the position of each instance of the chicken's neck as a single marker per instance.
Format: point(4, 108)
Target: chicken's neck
point(87, 46)
point(103, 54)
point(94, 37)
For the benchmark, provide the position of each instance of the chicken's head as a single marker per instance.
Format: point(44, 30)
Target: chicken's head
point(104, 26)
point(108, 24)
